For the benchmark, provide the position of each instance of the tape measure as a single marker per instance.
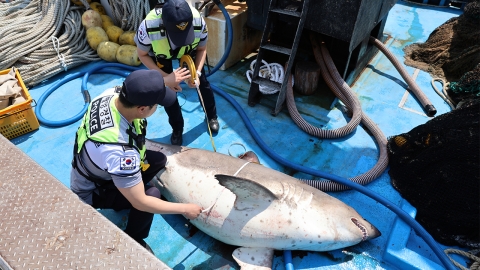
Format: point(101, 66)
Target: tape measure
point(187, 62)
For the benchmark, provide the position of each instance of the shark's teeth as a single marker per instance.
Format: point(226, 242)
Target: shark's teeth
point(362, 228)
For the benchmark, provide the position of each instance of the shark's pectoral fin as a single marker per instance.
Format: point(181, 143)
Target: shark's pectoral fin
point(244, 188)
point(249, 194)
point(253, 258)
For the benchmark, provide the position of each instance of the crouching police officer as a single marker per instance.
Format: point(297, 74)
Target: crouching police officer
point(168, 32)
point(111, 168)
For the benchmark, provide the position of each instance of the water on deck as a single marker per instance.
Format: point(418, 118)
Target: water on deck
point(383, 98)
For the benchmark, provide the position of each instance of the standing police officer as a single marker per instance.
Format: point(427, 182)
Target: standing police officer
point(111, 168)
point(167, 33)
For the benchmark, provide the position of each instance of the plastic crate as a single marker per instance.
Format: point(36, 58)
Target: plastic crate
point(20, 118)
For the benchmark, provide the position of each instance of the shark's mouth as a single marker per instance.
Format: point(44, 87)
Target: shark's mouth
point(362, 228)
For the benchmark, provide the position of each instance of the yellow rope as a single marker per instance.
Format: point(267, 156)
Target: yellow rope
point(205, 111)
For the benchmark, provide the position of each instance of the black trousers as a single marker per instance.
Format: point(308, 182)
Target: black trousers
point(139, 223)
point(175, 117)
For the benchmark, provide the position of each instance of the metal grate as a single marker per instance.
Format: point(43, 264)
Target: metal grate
point(43, 225)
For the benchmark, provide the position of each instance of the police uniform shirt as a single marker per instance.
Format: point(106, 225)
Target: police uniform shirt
point(107, 161)
point(144, 43)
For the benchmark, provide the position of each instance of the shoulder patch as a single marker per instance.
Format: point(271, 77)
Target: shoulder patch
point(128, 163)
point(141, 34)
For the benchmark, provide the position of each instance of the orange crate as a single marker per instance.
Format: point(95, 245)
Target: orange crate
point(20, 118)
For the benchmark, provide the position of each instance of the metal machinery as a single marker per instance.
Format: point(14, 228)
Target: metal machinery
point(345, 27)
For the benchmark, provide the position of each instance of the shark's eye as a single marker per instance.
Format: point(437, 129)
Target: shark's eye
point(361, 227)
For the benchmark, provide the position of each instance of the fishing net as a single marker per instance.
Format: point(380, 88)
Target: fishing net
point(452, 49)
point(467, 87)
point(435, 167)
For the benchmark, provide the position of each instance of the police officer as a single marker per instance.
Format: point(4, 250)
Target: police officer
point(167, 33)
point(111, 168)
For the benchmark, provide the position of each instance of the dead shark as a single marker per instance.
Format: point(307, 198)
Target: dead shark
point(257, 208)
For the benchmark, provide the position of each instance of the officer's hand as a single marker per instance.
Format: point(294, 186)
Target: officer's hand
point(192, 85)
point(192, 211)
point(174, 79)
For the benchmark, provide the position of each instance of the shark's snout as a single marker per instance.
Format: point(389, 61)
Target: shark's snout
point(367, 229)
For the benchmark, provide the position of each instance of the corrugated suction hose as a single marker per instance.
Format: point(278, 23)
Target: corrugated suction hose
point(427, 105)
point(347, 96)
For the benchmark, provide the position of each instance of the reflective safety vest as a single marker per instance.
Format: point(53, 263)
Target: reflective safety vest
point(101, 124)
point(157, 34)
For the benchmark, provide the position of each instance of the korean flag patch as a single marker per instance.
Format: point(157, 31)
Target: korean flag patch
point(128, 163)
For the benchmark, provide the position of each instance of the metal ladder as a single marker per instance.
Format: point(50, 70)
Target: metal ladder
point(274, 12)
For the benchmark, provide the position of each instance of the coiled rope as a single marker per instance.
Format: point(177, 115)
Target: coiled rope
point(48, 39)
point(274, 72)
point(126, 14)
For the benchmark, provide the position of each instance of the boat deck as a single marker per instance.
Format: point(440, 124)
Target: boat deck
point(383, 97)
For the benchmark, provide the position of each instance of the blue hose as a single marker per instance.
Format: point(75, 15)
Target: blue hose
point(43, 97)
point(287, 254)
point(397, 210)
point(60, 123)
point(287, 258)
point(229, 37)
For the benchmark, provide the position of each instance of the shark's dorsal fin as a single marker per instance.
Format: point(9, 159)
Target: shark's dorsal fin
point(245, 189)
point(253, 258)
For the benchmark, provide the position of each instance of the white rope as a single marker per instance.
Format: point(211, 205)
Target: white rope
point(274, 72)
point(444, 95)
point(469, 255)
point(128, 14)
point(241, 168)
point(56, 46)
point(86, 4)
point(27, 43)
point(236, 143)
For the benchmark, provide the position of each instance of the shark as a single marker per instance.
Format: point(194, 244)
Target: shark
point(257, 208)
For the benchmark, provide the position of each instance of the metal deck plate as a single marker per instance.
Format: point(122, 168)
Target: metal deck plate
point(43, 225)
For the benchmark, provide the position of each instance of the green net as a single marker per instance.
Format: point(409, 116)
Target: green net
point(468, 85)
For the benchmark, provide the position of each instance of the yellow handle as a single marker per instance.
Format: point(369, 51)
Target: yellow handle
point(187, 62)
point(144, 166)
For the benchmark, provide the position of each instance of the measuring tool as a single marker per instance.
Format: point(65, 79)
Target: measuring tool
point(187, 62)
